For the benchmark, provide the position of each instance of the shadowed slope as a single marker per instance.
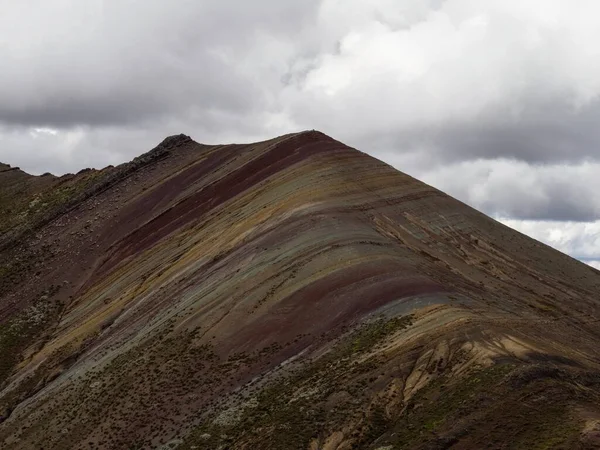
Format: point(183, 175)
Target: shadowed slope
point(294, 293)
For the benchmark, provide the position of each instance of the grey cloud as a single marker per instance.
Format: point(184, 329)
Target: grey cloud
point(558, 134)
point(143, 96)
point(121, 63)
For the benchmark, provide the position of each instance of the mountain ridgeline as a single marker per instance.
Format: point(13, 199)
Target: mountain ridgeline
point(289, 294)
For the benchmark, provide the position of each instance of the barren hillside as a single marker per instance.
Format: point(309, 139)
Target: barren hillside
point(290, 294)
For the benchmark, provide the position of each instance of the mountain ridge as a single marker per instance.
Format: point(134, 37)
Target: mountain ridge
point(174, 141)
point(292, 293)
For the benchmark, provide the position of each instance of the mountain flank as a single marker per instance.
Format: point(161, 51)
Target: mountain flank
point(294, 293)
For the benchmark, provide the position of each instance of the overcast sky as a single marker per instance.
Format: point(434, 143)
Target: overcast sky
point(493, 101)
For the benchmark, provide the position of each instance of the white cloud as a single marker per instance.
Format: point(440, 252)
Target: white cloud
point(403, 73)
point(37, 131)
point(578, 239)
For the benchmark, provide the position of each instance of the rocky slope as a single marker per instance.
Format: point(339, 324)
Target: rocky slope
point(289, 294)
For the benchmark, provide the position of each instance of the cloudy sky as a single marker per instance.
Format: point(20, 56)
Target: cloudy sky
point(494, 101)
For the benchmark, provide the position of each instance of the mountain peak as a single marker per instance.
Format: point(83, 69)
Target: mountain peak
point(175, 140)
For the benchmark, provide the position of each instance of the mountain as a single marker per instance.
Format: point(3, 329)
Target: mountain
point(290, 294)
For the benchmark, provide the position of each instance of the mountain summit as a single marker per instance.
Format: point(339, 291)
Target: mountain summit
point(290, 294)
